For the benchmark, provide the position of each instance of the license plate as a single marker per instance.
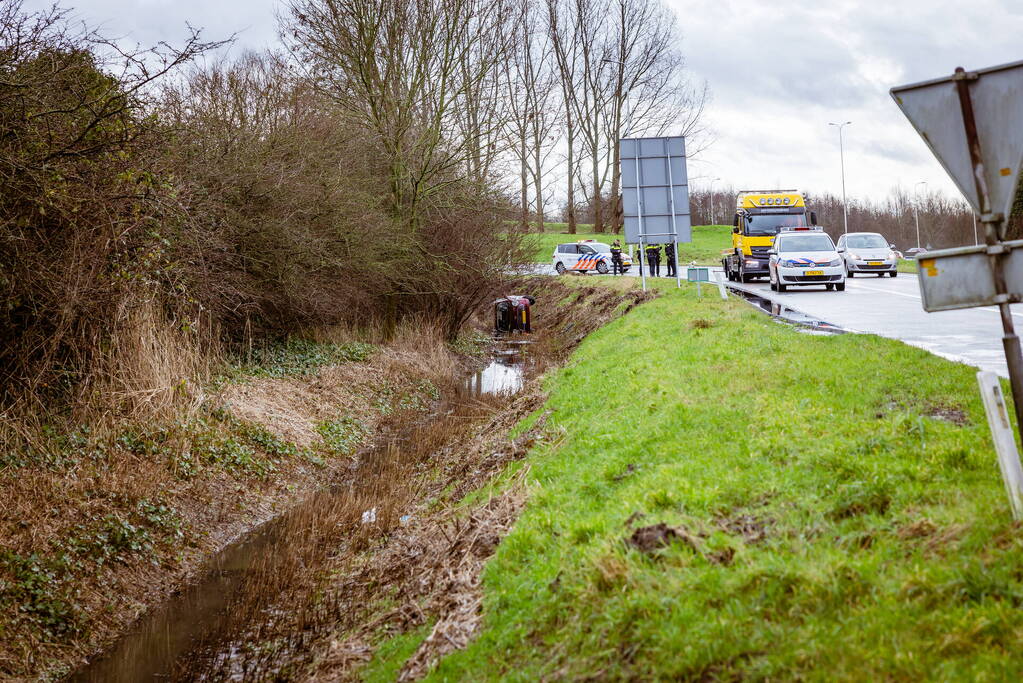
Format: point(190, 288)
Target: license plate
point(875, 263)
point(815, 272)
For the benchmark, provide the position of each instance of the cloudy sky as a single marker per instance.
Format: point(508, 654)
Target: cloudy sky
point(779, 72)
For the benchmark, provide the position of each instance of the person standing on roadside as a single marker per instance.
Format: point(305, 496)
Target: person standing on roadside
point(669, 258)
point(616, 258)
point(653, 259)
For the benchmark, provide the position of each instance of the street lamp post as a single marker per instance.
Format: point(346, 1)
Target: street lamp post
point(916, 210)
point(841, 154)
point(713, 180)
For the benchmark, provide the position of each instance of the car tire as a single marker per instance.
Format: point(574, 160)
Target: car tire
point(830, 286)
point(560, 268)
point(602, 268)
point(840, 286)
point(894, 273)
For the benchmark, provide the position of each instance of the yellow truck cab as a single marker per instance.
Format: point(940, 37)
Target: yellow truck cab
point(759, 215)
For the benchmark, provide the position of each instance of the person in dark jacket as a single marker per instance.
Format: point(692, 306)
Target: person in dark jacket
point(669, 258)
point(653, 258)
point(616, 258)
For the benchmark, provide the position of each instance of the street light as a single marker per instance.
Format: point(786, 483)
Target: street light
point(713, 180)
point(841, 153)
point(916, 210)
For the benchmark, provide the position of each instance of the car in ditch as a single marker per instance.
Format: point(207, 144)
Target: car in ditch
point(805, 256)
point(586, 256)
point(867, 252)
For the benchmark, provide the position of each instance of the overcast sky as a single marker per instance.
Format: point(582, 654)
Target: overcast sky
point(778, 73)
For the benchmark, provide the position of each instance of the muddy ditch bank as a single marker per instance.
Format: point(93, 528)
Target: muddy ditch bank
point(305, 593)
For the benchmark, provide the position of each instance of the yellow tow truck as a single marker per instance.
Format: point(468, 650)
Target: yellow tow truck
point(759, 215)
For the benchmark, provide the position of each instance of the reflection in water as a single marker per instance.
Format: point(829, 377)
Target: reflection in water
point(504, 375)
point(782, 312)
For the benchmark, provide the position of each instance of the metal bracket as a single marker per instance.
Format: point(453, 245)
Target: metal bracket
point(996, 249)
point(992, 217)
point(960, 75)
point(1002, 299)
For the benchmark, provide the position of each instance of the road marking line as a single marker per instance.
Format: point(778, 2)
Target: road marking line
point(912, 296)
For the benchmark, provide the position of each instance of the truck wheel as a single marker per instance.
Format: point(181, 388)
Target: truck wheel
point(560, 268)
point(840, 286)
point(602, 268)
point(829, 287)
point(894, 273)
point(848, 273)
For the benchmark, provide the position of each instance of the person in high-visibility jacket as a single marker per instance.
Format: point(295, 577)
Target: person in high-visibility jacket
point(653, 258)
point(616, 258)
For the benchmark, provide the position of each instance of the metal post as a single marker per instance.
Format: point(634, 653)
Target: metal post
point(671, 205)
point(1003, 438)
point(975, 240)
point(639, 217)
point(841, 156)
point(845, 204)
point(916, 217)
point(916, 210)
point(992, 235)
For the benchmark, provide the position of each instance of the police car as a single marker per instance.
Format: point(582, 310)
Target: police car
point(805, 256)
point(585, 256)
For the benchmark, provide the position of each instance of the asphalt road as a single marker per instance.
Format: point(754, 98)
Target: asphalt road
point(891, 307)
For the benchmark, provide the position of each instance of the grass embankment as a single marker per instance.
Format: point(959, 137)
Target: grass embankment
point(705, 249)
point(833, 510)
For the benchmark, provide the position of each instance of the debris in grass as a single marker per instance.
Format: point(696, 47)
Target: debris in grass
point(919, 528)
point(369, 516)
point(633, 518)
point(956, 416)
point(701, 324)
point(629, 469)
point(722, 557)
point(752, 529)
point(650, 538)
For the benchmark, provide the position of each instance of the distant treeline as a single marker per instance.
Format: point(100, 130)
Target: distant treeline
point(944, 221)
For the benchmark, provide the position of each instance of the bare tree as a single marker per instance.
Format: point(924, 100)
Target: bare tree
point(532, 83)
point(418, 75)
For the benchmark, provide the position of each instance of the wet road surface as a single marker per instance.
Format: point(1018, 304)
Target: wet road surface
point(891, 307)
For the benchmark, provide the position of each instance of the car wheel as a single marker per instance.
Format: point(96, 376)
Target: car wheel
point(894, 273)
point(829, 287)
point(560, 268)
point(602, 268)
point(840, 286)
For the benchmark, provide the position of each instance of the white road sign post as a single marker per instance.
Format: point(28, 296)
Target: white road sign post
point(973, 123)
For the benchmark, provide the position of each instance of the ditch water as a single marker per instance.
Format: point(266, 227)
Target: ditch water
point(782, 313)
point(155, 646)
point(506, 371)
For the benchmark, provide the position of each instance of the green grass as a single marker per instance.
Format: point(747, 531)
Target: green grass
point(887, 551)
point(708, 241)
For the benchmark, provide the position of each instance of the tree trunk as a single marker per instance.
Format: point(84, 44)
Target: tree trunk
point(598, 205)
point(570, 129)
point(524, 190)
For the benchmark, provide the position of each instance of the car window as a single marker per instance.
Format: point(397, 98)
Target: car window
point(585, 249)
point(567, 249)
point(816, 242)
point(867, 242)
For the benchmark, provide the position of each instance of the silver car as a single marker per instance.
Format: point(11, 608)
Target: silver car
point(867, 252)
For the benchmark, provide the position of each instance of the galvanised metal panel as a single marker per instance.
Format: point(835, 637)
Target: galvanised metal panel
point(655, 190)
point(963, 278)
